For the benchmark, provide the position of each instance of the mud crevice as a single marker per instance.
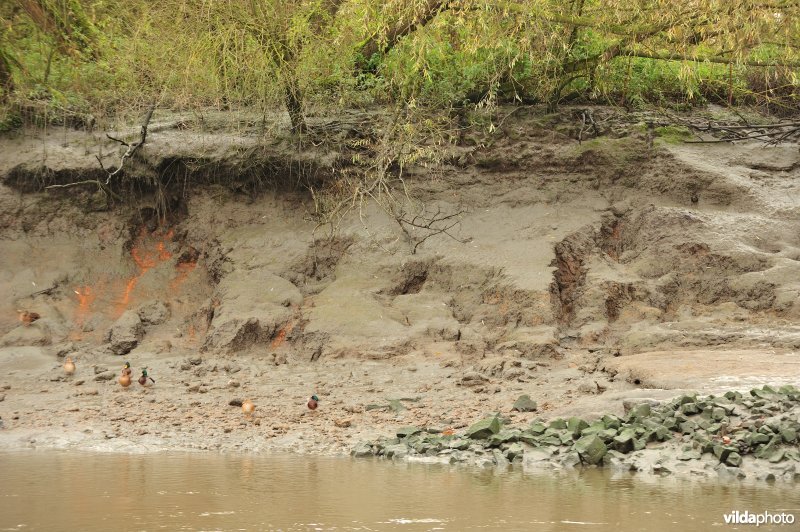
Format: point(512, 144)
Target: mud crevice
point(570, 274)
point(610, 237)
point(317, 268)
point(411, 279)
point(619, 295)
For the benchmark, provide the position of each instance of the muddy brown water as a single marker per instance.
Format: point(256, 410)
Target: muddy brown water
point(83, 491)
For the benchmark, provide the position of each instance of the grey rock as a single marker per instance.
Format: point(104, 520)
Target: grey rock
point(524, 404)
point(690, 409)
point(499, 458)
point(153, 313)
point(362, 450)
point(484, 428)
point(504, 436)
point(459, 444)
point(514, 450)
point(575, 426)
point(723, 451)
point(611, 421)
point(734, 459)
point(405, 432)
point(630, 404)
point(537, 458)
point(640, 411)
point(624, 441)
point(537, 428)
point(399, 450)
point(126, 333)
point(570, 459)
point(63, 350)
point(718, 414)
point(591, 449)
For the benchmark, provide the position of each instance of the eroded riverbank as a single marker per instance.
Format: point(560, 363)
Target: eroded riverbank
point(582, 273)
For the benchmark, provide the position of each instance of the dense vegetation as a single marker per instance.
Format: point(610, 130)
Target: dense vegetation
point(66, 60)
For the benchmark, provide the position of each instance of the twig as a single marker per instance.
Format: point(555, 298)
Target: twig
point(435, 224)
point(132, 148)
point(128, 154)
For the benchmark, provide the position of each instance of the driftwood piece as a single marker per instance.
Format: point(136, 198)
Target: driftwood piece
point(132, 148)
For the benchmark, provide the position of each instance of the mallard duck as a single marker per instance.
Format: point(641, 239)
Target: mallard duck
point(27, 317)
point(125, 376)
point(69, 366)
point(248, 407)
point(144, 377)
point(313, 402)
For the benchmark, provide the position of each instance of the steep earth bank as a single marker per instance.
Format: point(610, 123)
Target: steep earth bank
point(580, 273)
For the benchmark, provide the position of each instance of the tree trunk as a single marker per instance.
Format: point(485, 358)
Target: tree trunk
point(294, 105)
point(6, 81)
point(375, 45)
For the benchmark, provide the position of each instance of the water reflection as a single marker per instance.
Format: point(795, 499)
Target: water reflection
point(76, 491)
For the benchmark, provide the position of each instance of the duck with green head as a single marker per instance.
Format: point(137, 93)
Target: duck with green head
point(313, 402)
point(144, 377)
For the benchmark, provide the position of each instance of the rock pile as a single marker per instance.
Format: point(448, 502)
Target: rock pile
point(699, 435)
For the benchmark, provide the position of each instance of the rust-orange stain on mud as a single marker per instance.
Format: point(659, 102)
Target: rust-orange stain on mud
point(86, 297)
point(281, 336)
point(147, 252)
point(184, 269)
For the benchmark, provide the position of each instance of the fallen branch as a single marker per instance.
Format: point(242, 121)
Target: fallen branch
point(586, 114)
point(770, 134)
point(438, 223)
point(132, 148)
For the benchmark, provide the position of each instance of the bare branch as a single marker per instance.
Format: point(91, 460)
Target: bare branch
point(132, 148)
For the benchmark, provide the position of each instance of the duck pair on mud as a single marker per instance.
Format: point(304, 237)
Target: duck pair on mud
point(125, 377)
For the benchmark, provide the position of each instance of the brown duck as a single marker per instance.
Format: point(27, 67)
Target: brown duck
point(27, 317)
point(69, 366)
point(125, 377)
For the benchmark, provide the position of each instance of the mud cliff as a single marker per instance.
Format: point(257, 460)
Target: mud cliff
point(573, 267)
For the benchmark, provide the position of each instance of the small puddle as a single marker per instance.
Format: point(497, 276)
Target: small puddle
point(85, 491)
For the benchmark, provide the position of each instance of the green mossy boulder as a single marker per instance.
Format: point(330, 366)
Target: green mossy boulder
point(405, 432)
point(524, 404)
point(591, 449)
point(484, 428)
point(575, 425)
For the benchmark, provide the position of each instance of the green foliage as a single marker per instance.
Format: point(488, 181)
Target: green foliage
point(673, 134)
point(110, 58)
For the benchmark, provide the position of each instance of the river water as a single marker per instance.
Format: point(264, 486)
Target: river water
point(50, 490)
